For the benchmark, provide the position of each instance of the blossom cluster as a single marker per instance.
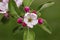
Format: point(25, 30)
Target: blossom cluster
point(25, 15)
point(29, 19)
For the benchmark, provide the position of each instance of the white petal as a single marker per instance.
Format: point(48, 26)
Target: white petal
point(3, 7)
point(27, 15)
point(2, 12)
point(6, 7)
point(26, 20)
point(34, 22)
point(19, 2)
point(33, 16)
point(30, 25)
point(6, 1)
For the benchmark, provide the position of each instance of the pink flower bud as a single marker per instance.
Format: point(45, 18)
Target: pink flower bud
point(27, 9)
point(24, 24)
point(19, 20)
point(40, 21)
point(6, 15)
point(34, 11)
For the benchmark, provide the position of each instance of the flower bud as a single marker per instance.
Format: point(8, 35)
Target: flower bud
point(40, 21)
point(6, 15)
point(27, 9)
point(19, 20)
point(34, 11)
point(24, 24)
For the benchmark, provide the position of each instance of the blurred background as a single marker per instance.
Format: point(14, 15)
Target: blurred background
point(51, 14)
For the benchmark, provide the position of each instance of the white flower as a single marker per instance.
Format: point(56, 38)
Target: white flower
point(4, 5)
point(30, 19)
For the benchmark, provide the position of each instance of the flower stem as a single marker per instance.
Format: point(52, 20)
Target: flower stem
point(28, 33)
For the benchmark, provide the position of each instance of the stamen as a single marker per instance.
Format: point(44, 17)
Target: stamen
point(29, 20)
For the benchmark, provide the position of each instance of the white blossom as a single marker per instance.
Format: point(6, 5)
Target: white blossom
point(30, 19)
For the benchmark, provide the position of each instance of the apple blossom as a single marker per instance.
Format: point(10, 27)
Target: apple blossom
point(30, 19)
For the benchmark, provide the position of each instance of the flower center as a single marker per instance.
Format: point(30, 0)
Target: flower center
point(29, 20)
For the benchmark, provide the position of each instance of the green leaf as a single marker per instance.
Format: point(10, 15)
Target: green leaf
point(28, 2)
point(28, 35)
point(22, 10)
point(15, 7)
point(46, 27)
point(14, 11)
point(43, 6)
